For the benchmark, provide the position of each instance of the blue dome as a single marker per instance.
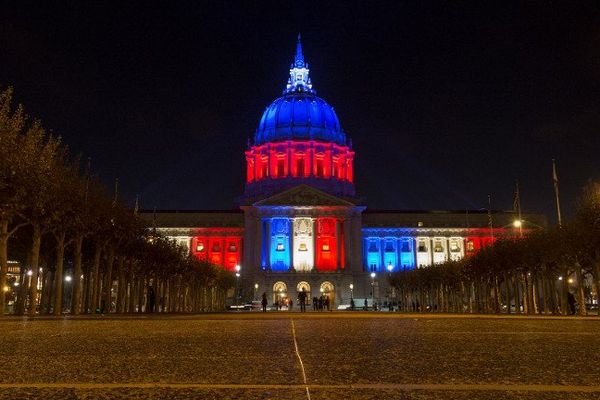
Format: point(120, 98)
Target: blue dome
point(299, 116)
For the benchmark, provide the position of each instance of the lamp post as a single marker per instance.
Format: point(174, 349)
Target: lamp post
point(237, 278)
point(255, 290)
point(518, 224)
point(390, 268)
point(352, 296)
point(373, 289)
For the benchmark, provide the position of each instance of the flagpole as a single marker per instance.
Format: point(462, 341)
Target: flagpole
point(555, 181)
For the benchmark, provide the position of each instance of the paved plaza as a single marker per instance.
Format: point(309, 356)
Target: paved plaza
point(282, 355)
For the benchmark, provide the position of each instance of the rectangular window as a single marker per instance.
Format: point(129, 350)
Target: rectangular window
point(470, 246)
point(200, 247)
point(280, 246)
point(454, 248)
point(216, 247)
point(302, 247)
point(280, 167)
point(319, 168)
point(405, 247)
point(232, 247)
point(422, 247)
point(265, 169)
point(300, 167)
point(438, 247)
point(325, 246)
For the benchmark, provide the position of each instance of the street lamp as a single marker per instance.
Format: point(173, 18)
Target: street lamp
point(237, 278)
point(390, 268)
point(255, 290)
point(373, 289)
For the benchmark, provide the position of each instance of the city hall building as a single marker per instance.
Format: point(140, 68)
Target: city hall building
point(300, 225)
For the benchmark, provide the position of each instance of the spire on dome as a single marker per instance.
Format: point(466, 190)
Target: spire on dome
point(299, 60)
point(299, 81)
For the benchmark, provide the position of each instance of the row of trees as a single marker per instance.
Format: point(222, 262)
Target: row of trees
point(544, 272)
point(58, 222)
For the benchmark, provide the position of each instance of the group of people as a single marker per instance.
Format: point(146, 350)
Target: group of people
point(319, 303)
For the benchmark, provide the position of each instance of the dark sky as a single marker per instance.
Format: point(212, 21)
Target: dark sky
point(445, 102)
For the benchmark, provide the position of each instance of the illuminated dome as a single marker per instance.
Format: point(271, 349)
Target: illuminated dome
point(299, 141)
point(299, 114)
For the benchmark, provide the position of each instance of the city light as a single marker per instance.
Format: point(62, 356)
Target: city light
point(29, 273)
point(256, 286)
point(517, 223)
point(373, 275)
point(6, 288)
point(68, 278)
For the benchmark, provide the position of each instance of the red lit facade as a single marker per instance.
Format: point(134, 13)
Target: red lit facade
point(219, 246)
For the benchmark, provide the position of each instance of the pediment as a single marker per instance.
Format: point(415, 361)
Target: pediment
point(303, 195)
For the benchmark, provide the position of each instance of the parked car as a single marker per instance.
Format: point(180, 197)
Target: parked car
point(253, 305)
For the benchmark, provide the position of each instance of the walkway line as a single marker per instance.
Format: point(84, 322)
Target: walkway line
point(466, 387)
point(300, 359)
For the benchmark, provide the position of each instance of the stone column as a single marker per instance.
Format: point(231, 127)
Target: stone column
point(338, 233)
point(258, 242)
point(291, 242)
point(267, 243)
point(347, 244)
point(314, 240)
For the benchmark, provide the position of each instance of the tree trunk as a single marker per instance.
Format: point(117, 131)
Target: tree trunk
point(96, 277)
point(77, 272)
point(580, 293)
point(36, 243)
point(516, 292)
point(3, 263)
point(110, 260)
point(120, 285)
point(58, 275)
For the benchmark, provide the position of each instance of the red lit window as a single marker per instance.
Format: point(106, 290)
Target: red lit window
point(216, 247)
point(319, 168)
point(232, 247)
point(280, 167)
point(300, 167)
point(325, 246)
point(200, 246)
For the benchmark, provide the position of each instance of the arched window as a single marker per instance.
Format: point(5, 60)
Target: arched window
point(280, 287)
point(303, 285)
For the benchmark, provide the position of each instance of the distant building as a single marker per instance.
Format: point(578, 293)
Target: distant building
point(300, 225)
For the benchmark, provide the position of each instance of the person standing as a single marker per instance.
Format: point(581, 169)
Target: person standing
point(264, 302)
point(302, 300)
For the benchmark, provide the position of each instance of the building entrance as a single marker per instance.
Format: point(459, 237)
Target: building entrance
point(280, 293)
point(328, 291)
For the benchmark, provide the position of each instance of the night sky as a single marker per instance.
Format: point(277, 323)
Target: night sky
point(445, 102)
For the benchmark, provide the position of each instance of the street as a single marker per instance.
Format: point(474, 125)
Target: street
point(281, 355)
